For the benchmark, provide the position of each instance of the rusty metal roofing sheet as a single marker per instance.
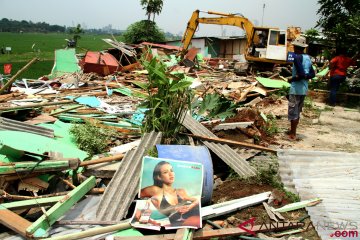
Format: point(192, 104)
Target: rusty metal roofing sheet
point(123, 187)
point(13, 125)
point(331, 176)
point(101, 59)
point(226, 153)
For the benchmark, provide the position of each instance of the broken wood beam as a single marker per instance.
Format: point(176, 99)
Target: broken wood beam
point(40, 226)
point(31, 203)
point(36, 105)
point(33, 167)
point(65, 110)
point(269, 212)
point(13, 78)
point(116, 157)
point(93, 232)
point(81, 89)
point(6, 195)
point(86, 222)
point(92, 191)
point(14, 221)
point(6, 97)
point(68, 183)
point(20, 176)
point(235, 143)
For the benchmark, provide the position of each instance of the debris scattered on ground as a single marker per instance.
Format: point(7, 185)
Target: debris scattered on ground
point(80, 133)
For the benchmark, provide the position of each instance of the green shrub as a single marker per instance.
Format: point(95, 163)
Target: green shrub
point(91, 138)
point(169, 97)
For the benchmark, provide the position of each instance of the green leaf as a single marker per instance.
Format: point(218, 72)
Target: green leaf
point(142, 85)
point(181, 85)
point(209, 103)
point(223, 115)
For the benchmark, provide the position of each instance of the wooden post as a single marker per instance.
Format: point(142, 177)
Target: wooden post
point(13, 78)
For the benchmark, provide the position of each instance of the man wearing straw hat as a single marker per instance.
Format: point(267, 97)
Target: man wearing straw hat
point(302, 71)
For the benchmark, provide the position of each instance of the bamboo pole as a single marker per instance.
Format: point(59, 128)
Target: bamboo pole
point(66, 110)
point(36, 105)
point(102, 160)
point(93, 232)
point(230, 142)
point(6, 195)
point(13, 78)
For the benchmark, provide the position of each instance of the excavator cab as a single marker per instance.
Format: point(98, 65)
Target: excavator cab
point(268, 43)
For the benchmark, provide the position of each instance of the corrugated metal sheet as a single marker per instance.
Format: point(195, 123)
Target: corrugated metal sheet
point(123, 186)
point(332, 176)
point(226, 153)
point(13, 125)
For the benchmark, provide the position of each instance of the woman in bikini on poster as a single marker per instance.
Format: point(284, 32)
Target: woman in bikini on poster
point(181, 209)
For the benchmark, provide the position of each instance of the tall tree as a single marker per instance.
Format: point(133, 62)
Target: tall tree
point(340, 20)
point(152, 7)
point(143, 31)
point(76, 31)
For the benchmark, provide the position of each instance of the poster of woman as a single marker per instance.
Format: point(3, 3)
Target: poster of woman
point(171, 193)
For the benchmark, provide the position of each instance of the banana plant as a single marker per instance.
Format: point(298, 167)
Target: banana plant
point(169, 97)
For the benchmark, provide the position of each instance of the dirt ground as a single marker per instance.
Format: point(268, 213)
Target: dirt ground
point(321, 128)
point(335, 129)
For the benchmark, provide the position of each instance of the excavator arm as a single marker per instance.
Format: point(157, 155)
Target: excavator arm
point(227, 19)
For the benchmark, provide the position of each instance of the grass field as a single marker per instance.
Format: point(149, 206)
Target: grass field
point(26, 46)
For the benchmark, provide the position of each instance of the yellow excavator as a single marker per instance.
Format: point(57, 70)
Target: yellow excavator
point(264, 44)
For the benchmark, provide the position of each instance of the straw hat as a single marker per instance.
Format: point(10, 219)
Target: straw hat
point(300, 42)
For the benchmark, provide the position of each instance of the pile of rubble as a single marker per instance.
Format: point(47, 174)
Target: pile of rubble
point(51, 186)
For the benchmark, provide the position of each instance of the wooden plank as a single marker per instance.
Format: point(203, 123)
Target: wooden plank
point(33, 182)
point(40, 226)
point(269, 212)
point(14, 221)
point(31, 203)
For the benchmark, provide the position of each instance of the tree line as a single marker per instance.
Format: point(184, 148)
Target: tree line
point(7, 25)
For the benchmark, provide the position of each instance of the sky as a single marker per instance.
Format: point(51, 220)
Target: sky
point(173, 18)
